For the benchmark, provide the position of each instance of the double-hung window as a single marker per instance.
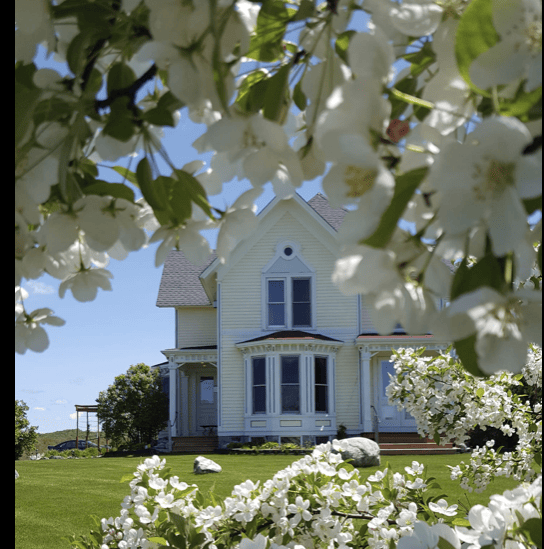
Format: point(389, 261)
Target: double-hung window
point(276, 302)
point(321, 384)
point(290, 385)
point(289, 302)
point(259, 384)
point(301, 300)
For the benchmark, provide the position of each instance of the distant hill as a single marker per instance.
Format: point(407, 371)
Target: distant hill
point(51, 439)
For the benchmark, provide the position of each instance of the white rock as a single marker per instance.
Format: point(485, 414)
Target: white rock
point(362, 451)
point(204, 465)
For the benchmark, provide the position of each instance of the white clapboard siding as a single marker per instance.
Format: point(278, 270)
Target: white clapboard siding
point(196, 326)
point(347, 387)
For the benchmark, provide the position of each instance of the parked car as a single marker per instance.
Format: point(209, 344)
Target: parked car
point(71, 444)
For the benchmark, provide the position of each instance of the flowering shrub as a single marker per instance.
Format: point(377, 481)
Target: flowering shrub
point(318, 501)
point(447, 402)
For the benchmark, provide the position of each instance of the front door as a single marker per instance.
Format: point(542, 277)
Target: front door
point(390, 418)
point(206, 405)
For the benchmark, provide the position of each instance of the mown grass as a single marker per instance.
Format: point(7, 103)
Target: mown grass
point(56, 498)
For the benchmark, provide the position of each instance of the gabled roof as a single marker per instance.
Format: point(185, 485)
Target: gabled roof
point(180, 282)
point(333, 216)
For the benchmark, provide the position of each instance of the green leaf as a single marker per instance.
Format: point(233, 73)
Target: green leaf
point(306, 9)
point(127, 174)
point(533, 527)
point(192, 188)
point(475, 35)
point(480, 392)
point(532, 204)
point(521, 104)
point(127, 478)
point(52, 109)
point(275, 100)
point(444, 544)
point(77, 54)
point(421, 59)
point(405, 186)
point(465, 349)
point(120, 76)
point(26, 97)
point(144, 177)
point(436, 438)
point(117, 190)
point(487, 272)
point(299, 97)
point(170, 102)
point(252, 91)
point(342, 44)
point(120, 124)
point(266, 43)
point(458, 521)
point(159, 117)
point(158, 539)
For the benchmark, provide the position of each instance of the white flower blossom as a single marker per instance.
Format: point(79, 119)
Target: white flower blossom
point(518, 53)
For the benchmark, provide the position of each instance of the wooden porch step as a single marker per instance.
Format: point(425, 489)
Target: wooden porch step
point(198, 444)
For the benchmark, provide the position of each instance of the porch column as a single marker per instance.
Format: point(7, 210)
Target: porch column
point(184, 404)
point(173, 373)
point(366, 389)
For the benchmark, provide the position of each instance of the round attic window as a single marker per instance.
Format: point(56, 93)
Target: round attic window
point(288, 251)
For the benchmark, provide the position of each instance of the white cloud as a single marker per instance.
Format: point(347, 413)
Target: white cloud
point(35, 287)
point(38, 408)
point(74, 415)
point(61, 402)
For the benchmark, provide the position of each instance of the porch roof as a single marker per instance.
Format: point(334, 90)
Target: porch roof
point(291, 334)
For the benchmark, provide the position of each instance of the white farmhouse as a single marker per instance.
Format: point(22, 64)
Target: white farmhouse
point(266, 347)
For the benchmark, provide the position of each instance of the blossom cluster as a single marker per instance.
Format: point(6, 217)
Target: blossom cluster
point(448, 403)
point(313, 503)
point(449, 143)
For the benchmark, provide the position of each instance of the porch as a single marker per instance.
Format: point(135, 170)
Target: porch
point(193, 394)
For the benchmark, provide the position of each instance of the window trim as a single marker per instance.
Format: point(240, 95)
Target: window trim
point(288, 302)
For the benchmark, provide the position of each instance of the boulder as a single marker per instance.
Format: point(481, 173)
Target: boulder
point(16, 474)
point(204, 465)
point(362, 451)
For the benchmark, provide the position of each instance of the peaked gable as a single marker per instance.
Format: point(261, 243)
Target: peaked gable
point(181, 285)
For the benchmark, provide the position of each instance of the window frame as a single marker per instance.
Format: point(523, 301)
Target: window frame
point(289, 302)
point(268, 302)
point(282, 385)
point(254, 385)
point(326, 385)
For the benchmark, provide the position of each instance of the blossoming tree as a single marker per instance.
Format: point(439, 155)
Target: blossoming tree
point(290, 91)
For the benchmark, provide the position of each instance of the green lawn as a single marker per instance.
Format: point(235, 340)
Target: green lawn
point(56, 498)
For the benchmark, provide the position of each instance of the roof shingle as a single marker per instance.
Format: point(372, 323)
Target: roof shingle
point(180, 283)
